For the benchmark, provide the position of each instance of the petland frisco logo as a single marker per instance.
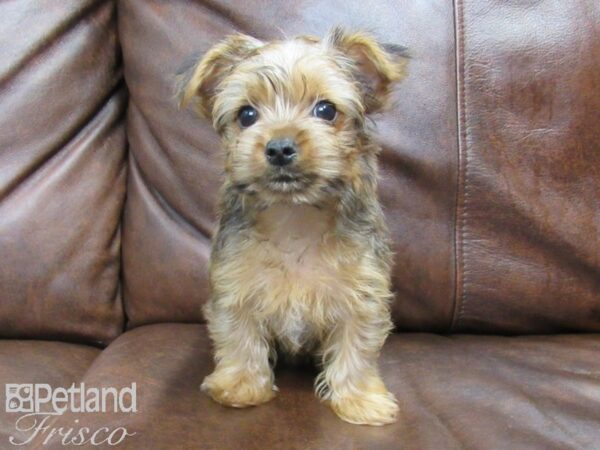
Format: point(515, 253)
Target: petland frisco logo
point(38, 403)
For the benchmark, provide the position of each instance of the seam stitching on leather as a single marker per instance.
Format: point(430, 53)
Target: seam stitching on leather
point(462, 176)
point(465, 143)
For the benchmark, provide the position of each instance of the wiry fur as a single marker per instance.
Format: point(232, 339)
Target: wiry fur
point(302, 266)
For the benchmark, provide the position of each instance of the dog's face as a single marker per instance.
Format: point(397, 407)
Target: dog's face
point(291, 113)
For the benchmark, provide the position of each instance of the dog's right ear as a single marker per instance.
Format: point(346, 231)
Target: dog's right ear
point(200, 81)
point(378, 66)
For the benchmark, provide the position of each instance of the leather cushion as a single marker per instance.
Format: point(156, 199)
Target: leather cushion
point(25, 362)
point(489, 177)
point(455, 392)
point(175, 161)
point(528, 209)
point(62, 170)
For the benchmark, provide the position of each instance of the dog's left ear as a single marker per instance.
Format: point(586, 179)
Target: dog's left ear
point(377, 66)
point(200, 80)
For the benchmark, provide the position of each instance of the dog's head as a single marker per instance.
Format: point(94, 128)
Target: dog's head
point(291, 113)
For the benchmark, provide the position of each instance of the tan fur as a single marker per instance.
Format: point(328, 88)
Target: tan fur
point(302, 266)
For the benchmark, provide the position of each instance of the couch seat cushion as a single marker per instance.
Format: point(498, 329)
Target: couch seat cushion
point(57, 364)
point(475, 392)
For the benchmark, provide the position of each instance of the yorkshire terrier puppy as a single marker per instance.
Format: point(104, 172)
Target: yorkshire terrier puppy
point(301, 261)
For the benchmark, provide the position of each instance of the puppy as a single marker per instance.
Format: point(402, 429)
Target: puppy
point(301, 261)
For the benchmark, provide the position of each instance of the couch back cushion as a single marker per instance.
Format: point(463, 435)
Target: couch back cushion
point(490, 177)
point(62, 170)
point(528, 205)
point(176, 163)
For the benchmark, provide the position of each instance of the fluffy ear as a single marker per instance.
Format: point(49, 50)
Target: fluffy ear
point(377, 67)
point(201, 80)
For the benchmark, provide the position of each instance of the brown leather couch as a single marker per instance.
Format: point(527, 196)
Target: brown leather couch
point(491, 186)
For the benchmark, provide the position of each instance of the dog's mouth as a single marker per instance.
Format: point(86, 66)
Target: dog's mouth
point(284, 182)
point(286, 178)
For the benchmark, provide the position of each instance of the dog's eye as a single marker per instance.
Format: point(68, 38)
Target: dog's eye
point(325, 110)
point(247, 116)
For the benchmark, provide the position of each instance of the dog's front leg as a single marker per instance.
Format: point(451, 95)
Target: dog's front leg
point(350, 380)
point(242, 376)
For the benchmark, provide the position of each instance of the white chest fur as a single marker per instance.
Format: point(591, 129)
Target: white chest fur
point(295, 235)
point(297, 269)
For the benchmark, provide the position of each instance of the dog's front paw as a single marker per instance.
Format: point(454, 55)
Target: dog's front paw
point(366, 408)
point(239, 390)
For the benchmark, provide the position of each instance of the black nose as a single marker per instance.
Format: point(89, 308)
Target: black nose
point(281, 152)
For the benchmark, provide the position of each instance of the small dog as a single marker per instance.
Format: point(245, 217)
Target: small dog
point(301, 261)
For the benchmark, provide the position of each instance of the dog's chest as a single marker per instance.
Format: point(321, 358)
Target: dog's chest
point(296, 270)
point(294, 241)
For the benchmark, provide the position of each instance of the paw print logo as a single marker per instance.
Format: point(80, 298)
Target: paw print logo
point(19, 398)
